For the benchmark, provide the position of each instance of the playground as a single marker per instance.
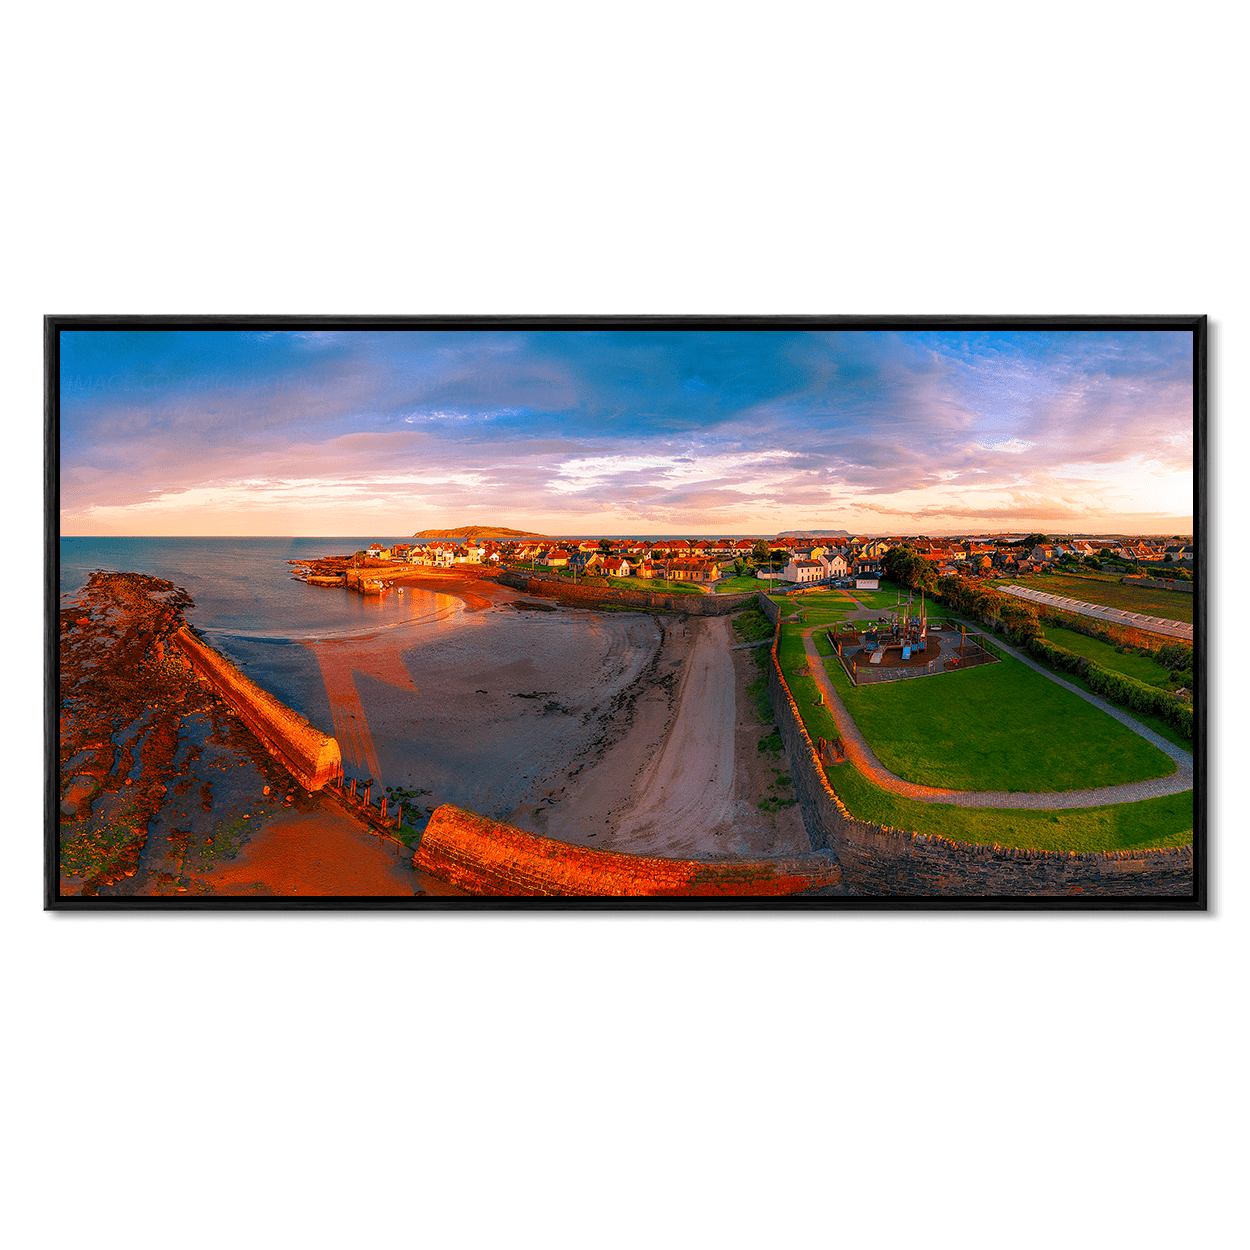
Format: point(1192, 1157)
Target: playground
point(904, 642)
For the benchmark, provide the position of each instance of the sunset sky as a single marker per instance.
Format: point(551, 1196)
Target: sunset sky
point(625, 432)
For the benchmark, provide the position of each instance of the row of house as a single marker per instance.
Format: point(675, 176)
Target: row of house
point(702, 560)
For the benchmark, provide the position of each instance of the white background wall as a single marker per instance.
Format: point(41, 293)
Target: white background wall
point(878, 1079)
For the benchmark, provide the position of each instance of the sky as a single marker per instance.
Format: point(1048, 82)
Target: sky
point(694, 433)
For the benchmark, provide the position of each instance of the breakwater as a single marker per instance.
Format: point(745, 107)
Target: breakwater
point(878, 860)
point(487, 857)
point(591, 596)
point(311, 757)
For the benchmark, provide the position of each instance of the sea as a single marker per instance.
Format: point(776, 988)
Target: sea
point(244, 587)
point(480, 708)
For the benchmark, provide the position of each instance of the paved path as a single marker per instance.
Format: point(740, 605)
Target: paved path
point(1138, 620)
point(861, 755)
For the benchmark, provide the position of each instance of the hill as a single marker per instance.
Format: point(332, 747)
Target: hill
point(815, 534)
point(497, 532)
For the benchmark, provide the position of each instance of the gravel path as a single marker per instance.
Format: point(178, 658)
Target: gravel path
point(1139, 620)
point(861, 755)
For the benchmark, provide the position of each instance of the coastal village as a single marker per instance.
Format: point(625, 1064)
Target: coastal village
point(795, 560)
point(763, 676)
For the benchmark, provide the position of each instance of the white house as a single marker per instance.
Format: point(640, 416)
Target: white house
point(800, 571)
point(835, 565)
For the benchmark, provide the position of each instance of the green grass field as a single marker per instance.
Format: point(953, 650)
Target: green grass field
point(1105, 654)
point(998, 727)
point(1168, 821)
point(791, 654)
point(823, 608)
point(1172, 605)
point(653, 585)
point(1161, 727)
point(886, 597)
point(736, 585)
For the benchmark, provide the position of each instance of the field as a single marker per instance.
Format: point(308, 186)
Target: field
point(999, 727)
point(817, 719)
point(654, 585)
point(887, 597)
point(1161, 727)
point(823, 608)
point(1171, 605)
point(1168, 821)
point(1105, 654)
point(736, 585)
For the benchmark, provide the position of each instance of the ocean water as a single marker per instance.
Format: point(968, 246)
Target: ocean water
point(483, 709)
point(244, 587)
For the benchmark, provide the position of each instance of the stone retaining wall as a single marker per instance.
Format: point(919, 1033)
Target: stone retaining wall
point(311, 757)
point(487, 857)
point(879, 860)
point(592, 596)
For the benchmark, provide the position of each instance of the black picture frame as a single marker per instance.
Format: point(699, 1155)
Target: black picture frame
point(54, 325)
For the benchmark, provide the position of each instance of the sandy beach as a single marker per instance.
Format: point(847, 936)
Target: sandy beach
point(627, 731)
point(680, 773)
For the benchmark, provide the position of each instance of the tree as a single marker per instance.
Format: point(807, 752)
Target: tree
point(605, 546)
point(739, 567)
point(908, 567)
point(761, 551)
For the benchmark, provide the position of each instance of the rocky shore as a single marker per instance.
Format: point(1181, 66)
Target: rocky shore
point(164, 791)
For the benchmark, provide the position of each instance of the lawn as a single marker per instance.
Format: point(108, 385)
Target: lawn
point(791, 655)
point(1168, 821)
point(887, 597)
point(1105, 654)
point(1171, 605)
point(998, 727)
point(823, 608)
point(653, 585)
point(1055, 633)
point(736, 585)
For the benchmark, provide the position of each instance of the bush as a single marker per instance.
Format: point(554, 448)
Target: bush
point(1128, 692)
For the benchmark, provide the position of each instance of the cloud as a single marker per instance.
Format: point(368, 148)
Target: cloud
point(692, 429)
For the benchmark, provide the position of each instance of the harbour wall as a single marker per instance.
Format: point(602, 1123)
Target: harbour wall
point(487, 857)
point(592, 596)
point(311, 757)
point(878, 860)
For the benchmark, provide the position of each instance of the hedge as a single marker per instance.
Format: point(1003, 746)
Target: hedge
point(1128, 692)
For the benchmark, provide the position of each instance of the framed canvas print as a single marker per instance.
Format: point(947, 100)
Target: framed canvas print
point(788, 612)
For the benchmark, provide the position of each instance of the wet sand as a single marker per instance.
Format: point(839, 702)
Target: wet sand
point(625, 731)
point(323, 852)
point(682, 776)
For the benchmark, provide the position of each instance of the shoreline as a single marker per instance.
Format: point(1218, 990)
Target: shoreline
point(579, 724)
